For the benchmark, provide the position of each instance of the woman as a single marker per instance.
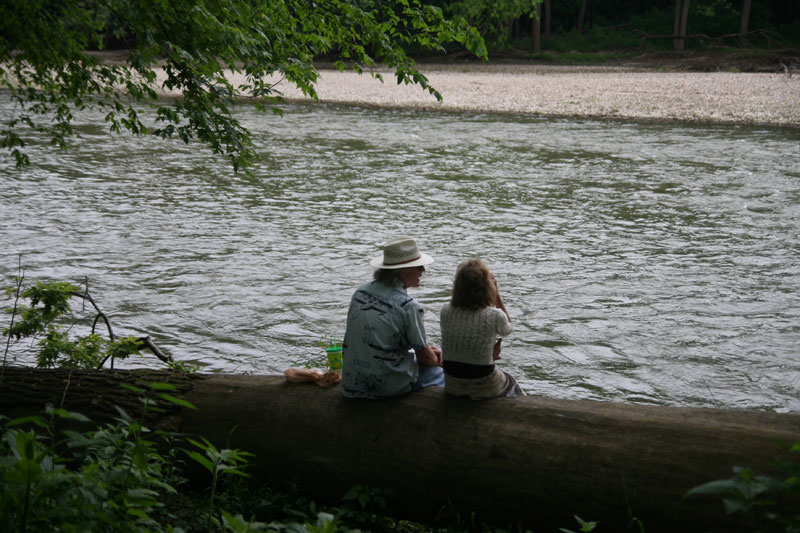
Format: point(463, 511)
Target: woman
point(473, 324)
point(385, 351)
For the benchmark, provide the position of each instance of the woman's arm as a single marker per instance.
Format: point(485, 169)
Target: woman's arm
point(498, 303)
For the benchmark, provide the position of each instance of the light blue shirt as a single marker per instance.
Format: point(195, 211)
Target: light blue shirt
point(383, 324)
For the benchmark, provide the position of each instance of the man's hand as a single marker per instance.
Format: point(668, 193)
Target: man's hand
point(429, 356)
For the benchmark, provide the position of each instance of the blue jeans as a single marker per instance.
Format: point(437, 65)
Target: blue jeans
point(429, 376)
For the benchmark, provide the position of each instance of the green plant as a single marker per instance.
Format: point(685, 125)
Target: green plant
point(237, 523)
point(183, 366)
point(333, 343)
point(363, 504)
point(48, 317)
point(586, 526)
point(369, 498)
point(196, 46)
point(218, 463)
point(770, 504)
point(124, 477)
point(326, 523)
point(110, 479)
point(321, 360)
point(632, 519)
point(492, 17)
point(453, 520)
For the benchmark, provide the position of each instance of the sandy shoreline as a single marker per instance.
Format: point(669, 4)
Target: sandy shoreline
point(590, 92)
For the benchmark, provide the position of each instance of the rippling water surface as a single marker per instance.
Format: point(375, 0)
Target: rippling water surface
point(640, 262)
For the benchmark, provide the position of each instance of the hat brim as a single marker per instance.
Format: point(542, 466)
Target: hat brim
point(424, 259)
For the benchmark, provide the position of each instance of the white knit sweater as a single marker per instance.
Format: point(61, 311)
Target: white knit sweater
point(469, 336)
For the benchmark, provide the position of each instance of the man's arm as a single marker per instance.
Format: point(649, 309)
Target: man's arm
point(429, 356)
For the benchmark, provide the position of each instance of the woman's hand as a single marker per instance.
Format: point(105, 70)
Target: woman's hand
point(496, 350)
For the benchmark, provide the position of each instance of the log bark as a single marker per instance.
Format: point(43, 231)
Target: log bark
point(533, 461)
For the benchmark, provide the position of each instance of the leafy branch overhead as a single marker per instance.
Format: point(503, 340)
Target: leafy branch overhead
point(48, 318)
point(45, 65)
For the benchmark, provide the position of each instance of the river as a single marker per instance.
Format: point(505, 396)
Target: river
point(640, 262)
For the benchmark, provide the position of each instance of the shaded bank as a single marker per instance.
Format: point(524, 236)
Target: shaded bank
point(532, 460)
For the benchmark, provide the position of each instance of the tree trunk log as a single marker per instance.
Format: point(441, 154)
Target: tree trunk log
point(533, 460)
point(681, 24)
point(547, 21)
point(582, 16)
point(744, 22)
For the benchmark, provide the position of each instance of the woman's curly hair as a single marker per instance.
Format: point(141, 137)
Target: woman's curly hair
point(473, 287)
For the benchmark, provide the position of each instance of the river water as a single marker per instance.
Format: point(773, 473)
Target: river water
point(640, 262)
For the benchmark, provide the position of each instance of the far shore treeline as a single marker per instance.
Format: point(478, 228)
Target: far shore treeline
point(594, 26)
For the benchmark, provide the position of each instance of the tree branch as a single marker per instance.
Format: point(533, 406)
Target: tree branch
point(148, 343)
point(17, 293)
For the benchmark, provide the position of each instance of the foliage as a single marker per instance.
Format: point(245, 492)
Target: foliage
point(594, 39)
point(49, 318)
point(492, 17)
point(44, 317)
point(117, 478)
point(218, 463)
point(110, 479)
point(630, 26)
point(45, 65)
point(364, 504)
point(325, 523)
point(585, 526)
point(758, 498)
point(454, 521)
point(333, 343)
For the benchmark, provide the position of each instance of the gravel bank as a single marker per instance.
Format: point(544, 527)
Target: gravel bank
point(592, 92)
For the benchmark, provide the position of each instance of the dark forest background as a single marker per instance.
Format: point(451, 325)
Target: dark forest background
point(634, 25)
point(760, 33)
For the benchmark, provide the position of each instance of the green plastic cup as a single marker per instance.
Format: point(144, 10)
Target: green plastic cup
point(335, 358)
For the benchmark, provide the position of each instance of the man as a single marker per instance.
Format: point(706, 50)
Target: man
point(385, 351)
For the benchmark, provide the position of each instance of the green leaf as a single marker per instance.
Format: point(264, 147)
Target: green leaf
point(722, 486)
point(177, 401)
point(201, 459)
point(70, 415)
point(132, 388)
point(138, 513)
point(162, 386)
point(36, 420)
point(223, 469)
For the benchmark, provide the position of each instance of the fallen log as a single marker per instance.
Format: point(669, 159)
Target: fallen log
point(532, 461)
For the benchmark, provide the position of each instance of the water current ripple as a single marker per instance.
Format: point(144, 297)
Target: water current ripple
point(641, 262)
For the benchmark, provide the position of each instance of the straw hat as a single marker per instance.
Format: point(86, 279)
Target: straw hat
point(401, 253)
